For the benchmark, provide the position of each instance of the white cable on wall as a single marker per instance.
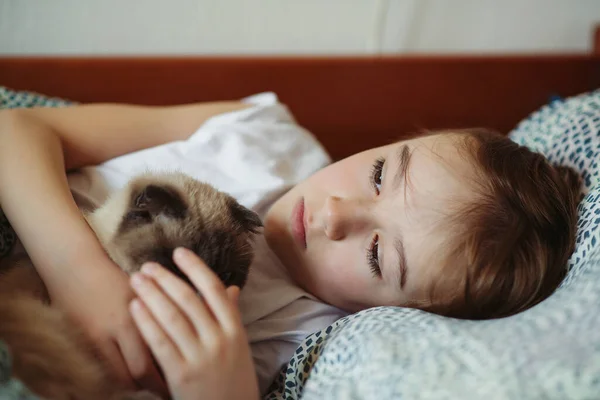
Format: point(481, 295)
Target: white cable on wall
point(376, 40)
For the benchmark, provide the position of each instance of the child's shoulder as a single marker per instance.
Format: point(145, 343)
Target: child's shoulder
point(250, 153)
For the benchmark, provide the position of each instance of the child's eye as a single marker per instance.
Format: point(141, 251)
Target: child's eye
point(377, 174)
point(373, 256)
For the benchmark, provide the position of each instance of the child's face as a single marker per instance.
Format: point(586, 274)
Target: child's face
point(338, 228)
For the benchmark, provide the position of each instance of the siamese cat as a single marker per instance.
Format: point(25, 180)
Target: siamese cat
point(145, 221)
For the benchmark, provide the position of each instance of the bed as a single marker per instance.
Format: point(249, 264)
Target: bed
point(350, 103)
point(354, 103)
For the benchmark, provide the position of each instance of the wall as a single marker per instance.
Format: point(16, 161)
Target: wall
point(294, 26)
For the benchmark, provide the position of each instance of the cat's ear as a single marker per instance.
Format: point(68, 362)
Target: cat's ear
point(249, 220)
point(157, 200)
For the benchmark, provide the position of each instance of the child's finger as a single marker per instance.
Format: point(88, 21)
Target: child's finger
point(210, 286)
point(134, 348)
point(166, 314)
point(165, 352)
point(186, 299)
point(114, 356)
point(233, 292)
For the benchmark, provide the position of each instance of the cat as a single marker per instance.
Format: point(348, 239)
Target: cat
point(145, 221)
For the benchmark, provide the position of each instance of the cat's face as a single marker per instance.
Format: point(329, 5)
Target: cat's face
point(156, 213)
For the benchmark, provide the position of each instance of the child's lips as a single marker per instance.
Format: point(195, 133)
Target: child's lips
point(298, 223)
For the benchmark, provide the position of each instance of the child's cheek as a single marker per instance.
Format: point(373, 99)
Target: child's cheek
point(344, 277)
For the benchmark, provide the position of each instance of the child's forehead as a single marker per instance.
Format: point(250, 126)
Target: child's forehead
point(440, 162)
point(437, 142)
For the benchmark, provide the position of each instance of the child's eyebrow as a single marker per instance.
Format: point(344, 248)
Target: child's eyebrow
point(402, 263)
point(403, 157)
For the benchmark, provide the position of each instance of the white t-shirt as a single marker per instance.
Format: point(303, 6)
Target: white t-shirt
point(255, 154)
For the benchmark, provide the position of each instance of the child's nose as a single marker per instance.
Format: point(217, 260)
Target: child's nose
point(343, 216)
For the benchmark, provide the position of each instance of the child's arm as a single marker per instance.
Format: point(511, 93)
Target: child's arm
point(36, 146)
point(200, 343)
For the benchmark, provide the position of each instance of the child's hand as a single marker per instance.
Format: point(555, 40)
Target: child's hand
point(107, 321)
point(200, 343)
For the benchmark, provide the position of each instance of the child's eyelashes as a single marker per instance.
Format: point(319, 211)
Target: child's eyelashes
point(377, 174)
point(373, 249)
point(373, 256)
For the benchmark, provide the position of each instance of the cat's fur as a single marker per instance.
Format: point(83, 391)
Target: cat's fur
point(143, 222)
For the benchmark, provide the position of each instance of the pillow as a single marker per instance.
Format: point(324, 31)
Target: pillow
point(550, 351)
point(22, 99)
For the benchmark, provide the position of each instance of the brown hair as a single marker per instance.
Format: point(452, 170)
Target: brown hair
point(515, 238)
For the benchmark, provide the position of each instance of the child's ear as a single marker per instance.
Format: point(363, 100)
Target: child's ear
point(149, 202)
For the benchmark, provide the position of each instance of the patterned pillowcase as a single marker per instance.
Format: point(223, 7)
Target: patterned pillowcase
point(550, 351)
point(20, 99)
point(23, 99)
point(568, 133)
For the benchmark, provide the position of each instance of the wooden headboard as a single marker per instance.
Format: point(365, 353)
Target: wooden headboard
point(350, 103)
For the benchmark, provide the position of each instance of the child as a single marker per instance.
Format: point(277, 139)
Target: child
point(464, 224)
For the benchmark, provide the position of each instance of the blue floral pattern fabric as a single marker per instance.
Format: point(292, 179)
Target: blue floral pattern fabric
point(23, 99)
point(551, 351)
